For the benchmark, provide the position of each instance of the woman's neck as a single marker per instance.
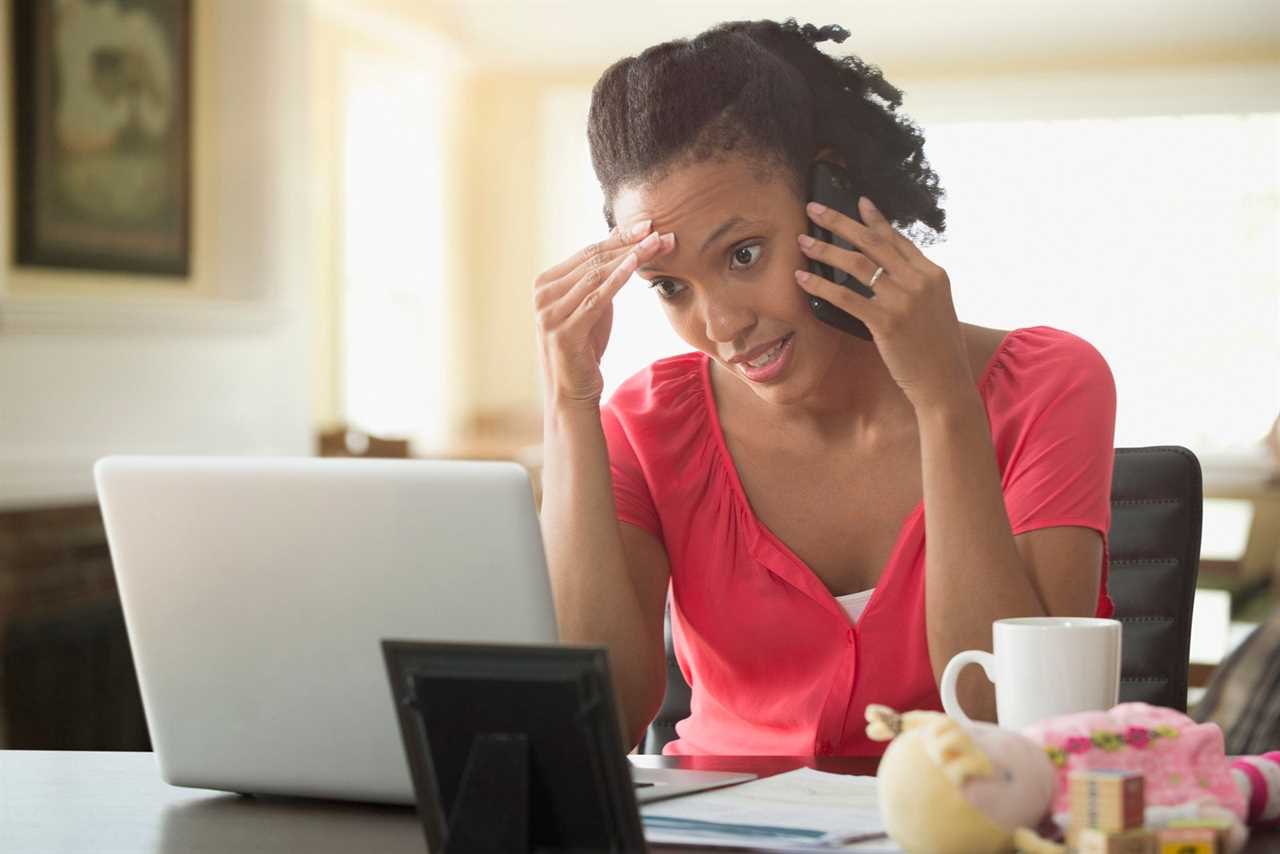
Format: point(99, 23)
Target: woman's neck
point(856, 402)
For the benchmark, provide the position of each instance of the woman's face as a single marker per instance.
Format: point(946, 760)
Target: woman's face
point(728, 287)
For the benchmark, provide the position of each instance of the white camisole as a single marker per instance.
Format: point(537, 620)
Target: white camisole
point(855, 603)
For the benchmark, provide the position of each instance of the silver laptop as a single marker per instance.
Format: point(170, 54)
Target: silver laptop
point(256, 592)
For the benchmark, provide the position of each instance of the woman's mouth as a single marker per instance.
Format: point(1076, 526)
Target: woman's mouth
point(768, 366)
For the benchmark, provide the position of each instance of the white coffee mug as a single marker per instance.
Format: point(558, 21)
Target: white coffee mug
point(1042, 667)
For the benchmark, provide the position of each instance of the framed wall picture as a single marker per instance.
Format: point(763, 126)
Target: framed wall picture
point(103, 133)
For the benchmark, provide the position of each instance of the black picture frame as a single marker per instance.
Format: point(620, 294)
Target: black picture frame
point(544, 719)
point(102, 103)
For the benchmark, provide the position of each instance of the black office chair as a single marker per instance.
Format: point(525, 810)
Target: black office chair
point(1156, 501)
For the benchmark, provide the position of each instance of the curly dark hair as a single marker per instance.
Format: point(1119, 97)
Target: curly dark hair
point(764, 89)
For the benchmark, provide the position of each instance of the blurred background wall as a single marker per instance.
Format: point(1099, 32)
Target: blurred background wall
point(376, 183)
point(99, 363)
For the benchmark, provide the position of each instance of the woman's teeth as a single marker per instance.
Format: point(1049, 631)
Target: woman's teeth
point(770, 356)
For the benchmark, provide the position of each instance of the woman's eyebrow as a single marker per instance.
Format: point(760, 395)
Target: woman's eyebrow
point(719, 232)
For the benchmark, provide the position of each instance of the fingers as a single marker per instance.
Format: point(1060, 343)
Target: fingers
point(565, 295)
point(595, 260)
point(574, 307)
point(855, 264)
point(594, 270)
point(872, 239)
point(665, 244)
point(909, 284)
point(877, 223)
point(611, 246)
point(586, 312)
point(870, 312)
point(596, 267)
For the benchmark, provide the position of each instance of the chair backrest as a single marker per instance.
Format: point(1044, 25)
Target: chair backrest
point(1154, 544)
point(1156, 503)
point(675, 703)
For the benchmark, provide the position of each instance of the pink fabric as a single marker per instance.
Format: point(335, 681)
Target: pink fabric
point(1183, 761)
point(1255, 786)
point(1258, 777)
point(774, 665)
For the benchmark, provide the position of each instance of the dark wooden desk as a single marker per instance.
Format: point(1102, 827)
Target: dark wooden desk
point(80, 802)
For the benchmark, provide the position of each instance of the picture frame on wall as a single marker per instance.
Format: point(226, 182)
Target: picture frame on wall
point(103, 135)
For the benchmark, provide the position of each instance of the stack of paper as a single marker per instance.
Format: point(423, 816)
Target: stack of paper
point(801, 810)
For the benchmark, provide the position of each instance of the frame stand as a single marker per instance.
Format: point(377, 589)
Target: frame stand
point(491, 812)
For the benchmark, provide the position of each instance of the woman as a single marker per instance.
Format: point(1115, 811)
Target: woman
point(835, 517)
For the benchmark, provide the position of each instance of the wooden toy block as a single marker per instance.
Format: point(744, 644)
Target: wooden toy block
point(1187, 840)
point(1093, 841)
point(1110, 801)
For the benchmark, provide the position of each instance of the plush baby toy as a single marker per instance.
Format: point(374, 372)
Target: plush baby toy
point(952, 788)
point(1186, 772)
point(949, 787)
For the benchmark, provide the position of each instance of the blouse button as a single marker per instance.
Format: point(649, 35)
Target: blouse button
point(849, 636)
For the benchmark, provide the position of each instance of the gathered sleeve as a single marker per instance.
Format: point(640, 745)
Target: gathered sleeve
point(1059, 470)
point(631, 495)
point(1055, 439)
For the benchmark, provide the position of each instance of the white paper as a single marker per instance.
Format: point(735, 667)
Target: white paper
point(800, 810)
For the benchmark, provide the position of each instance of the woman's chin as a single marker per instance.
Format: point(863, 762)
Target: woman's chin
point(783, 392)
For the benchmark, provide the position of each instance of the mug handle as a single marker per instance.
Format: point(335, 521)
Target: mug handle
point(985, 660)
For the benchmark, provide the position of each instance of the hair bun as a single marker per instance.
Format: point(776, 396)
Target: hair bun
point(831, 32)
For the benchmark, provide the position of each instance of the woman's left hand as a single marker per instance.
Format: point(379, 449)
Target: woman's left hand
point(911, 316)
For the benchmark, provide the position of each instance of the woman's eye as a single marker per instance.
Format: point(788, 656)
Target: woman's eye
point(665, 288)
point(743, 257)
point(747, 255)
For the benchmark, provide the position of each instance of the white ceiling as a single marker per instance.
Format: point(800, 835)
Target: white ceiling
point(904, 34)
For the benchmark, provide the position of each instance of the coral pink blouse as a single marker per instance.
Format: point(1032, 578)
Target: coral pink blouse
point(773, 661)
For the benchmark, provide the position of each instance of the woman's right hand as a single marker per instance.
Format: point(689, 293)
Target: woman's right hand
point(574, 305)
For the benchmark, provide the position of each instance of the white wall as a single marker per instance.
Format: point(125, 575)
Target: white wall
point(100, 364)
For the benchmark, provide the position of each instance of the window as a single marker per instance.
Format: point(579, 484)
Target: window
point(394, 334)
point(1155, 238)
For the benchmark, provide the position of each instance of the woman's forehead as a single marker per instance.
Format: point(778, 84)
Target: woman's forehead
point(693, 196)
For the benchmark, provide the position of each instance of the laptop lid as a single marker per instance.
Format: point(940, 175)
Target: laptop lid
point(256, 592)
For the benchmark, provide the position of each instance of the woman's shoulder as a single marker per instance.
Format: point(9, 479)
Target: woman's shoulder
point(1042, 357)
point(661, 415)
point(1041, 376)
point(668, 389)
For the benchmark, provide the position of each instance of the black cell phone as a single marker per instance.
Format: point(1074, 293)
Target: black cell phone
point(830, 185)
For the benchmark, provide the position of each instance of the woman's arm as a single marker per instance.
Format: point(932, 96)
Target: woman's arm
point(609, 585)
point(976, 571)
point(608, 589)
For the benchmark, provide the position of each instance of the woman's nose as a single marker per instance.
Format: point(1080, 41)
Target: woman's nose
point(727, 318)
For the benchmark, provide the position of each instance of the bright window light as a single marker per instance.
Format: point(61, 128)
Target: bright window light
point(395, 343)
point(1155, 238)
